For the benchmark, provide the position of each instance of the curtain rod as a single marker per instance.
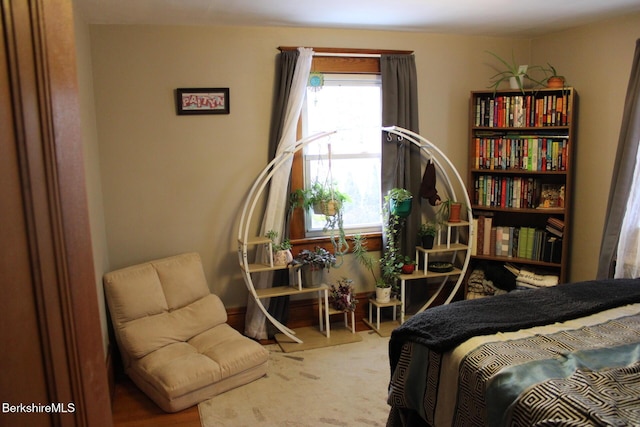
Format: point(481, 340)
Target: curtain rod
point(334, 51)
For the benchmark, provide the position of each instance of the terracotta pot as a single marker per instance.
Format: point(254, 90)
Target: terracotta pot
point(555, 82)
point(454, 212)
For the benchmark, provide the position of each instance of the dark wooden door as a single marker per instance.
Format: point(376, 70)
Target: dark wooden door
point(49, 332)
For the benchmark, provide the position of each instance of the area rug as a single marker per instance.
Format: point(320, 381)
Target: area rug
point(343, 385)
point(312, 338)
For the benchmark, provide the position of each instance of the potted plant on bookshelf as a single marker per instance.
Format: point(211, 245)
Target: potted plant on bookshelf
point(514, 74)
point(341, 295)
point(314, 263)
point(400, 202)
point(427, 234)
point(554, 80)
point(281, 251)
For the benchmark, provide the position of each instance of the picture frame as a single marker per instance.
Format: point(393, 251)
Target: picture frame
point(196, 101)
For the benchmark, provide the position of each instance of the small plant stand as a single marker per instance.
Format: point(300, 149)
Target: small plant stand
point(327, 311)
point(379, 305)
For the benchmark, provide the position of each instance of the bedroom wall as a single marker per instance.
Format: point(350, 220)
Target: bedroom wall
point(176, 183)
point(596, 60)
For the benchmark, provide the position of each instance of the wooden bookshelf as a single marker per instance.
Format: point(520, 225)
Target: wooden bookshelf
point(521, 146)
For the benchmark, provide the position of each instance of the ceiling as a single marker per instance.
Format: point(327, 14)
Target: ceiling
point(474, 17)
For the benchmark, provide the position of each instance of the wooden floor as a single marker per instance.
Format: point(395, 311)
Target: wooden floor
point(132, 408)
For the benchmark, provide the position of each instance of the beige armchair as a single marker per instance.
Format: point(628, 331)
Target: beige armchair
point(173, 336)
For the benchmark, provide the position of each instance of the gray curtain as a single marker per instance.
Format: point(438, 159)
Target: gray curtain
point(285, 67)
point(623, 171)
point(401, 159)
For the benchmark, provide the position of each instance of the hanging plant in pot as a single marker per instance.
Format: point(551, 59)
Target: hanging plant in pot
point(314, 263)
point(281, 251)
point(400, 202)
point(326, 200)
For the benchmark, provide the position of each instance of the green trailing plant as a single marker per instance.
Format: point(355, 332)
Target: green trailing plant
point(392, 260)
point(327, 200)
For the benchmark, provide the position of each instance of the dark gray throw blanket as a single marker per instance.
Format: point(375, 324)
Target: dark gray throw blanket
point(444, 327)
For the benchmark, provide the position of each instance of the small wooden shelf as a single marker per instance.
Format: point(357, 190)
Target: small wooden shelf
point(395, 303)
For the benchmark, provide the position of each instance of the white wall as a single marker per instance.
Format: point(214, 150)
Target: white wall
point(176, 183)
point(596, 60)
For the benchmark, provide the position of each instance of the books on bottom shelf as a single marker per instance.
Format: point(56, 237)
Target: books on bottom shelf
point(530, 279)
point(515, 242)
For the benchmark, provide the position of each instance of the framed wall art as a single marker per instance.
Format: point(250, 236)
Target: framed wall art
point(202, 101)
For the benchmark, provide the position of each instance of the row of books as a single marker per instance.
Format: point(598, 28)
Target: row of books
point(507, 191)
point(516, 192)
point(531, 153)
point(515, 242)
point(531, 110)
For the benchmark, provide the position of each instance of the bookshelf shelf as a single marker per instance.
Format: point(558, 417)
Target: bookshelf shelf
point(521, 177)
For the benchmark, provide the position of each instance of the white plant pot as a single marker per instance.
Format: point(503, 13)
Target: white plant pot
point(282, 257)
point(383, 295)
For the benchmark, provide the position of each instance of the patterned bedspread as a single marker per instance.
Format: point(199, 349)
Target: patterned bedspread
point(582, 372)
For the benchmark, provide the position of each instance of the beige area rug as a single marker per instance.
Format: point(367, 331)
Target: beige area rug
point(312, 338)
point(343, 385)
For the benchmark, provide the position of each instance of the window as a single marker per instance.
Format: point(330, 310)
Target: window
point(350, 104)
point(362, 70)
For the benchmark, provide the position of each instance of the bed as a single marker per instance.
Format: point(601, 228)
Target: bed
point(567, 355)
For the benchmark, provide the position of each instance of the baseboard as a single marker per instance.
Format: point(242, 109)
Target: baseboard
point(111, 378)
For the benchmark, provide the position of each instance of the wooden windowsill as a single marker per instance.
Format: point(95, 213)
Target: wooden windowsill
point(374, 243)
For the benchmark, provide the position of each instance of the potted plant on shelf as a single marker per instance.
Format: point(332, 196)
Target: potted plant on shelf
point(515, 74)
point(314, 263)
point(409, 265)
point(281, 251)
point(383, 288)
point(427, 234)
point(449, 211)
point(554, 80)
point(341, 295)
point(400, 201)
